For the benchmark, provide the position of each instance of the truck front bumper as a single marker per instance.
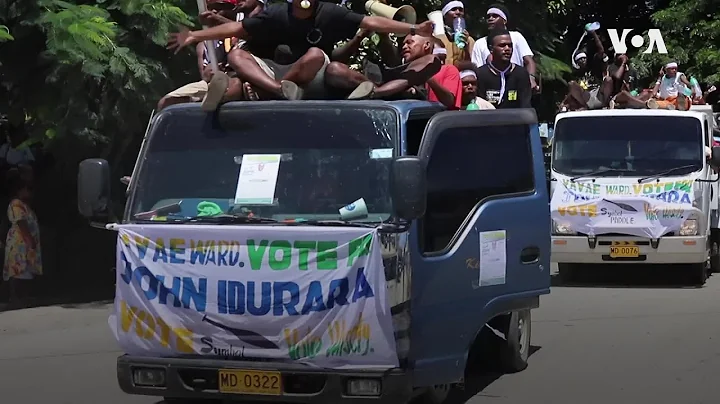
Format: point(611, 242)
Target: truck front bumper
point(669, 250)
point(199, 379)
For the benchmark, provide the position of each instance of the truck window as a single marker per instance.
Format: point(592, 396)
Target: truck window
point(415, 128)
point(466, 167)
point(627, 145)
point(330, 157)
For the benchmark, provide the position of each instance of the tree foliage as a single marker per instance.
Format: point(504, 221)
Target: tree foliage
point(691, 30)
point(85, 74)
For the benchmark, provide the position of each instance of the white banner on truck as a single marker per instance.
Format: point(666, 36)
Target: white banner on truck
point(602, 206)
point(304, 294)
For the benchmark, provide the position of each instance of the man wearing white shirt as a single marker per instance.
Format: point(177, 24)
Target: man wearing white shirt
point(497, 17)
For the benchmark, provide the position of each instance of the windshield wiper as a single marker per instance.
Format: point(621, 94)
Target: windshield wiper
point(342, 223)
point(224, 219)
point(600, 171)
point(666, 172)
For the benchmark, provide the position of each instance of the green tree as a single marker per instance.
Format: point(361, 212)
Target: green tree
point(84, 75)
point(691, 30)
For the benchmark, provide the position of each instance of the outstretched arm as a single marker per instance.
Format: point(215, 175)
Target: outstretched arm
point(388, 26)
point(227, 30)
point(185, 37)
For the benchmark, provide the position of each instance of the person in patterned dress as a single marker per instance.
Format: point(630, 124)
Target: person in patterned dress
point(23, 257)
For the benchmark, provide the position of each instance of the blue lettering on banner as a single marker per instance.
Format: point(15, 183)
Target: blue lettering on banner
point(234, 297)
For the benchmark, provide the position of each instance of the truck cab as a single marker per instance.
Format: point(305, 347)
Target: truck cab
point(635, 187)
point(456, 199)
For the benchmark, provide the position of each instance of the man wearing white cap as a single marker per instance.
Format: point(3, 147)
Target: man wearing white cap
point(459, 57)
point(469, 83)
point(497, 17)
point(669, 89)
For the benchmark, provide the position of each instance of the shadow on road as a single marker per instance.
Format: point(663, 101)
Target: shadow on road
point(477, 379)
point(43, 292)
point(628, 276)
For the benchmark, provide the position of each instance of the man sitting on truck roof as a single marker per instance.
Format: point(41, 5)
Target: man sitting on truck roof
point(624, 79)
point(593, 87)
point(443, 85)
point(501, 82)
point(219, 12)
point(310, 29)
point(669, 89)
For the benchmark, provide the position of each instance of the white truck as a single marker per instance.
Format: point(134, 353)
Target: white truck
point(635, 187)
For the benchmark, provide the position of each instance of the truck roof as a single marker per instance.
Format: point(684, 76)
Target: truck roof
point(628, 112)
point(402, 106)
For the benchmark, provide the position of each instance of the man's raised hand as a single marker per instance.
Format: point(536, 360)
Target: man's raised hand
point(425, 29)
point(180, 40)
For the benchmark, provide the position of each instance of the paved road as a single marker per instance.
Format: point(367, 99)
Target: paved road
point(597, 345)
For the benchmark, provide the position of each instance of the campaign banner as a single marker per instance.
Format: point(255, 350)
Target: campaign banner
point(603, 206)
point(303, 294)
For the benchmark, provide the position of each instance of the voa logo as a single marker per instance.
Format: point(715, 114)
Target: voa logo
point(637, 41)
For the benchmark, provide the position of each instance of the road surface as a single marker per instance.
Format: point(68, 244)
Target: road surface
point(595, 345)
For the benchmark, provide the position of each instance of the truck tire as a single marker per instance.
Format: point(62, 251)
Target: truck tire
point(434, 395)
point(698, 273)
point(516, 351)
point(714, 254)
point(567, 272)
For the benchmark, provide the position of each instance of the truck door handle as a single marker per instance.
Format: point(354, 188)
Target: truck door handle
point(530, 255)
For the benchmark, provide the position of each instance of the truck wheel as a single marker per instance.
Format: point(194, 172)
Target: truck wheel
point(699, 273)
point(714, 256)
point(516, 351)
point(567, 272)
point(434, 395)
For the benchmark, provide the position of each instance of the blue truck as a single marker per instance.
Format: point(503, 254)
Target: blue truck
point(457, 199)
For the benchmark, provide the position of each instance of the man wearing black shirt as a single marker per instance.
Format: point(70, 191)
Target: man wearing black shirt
point(501, 82)
point(309, 32)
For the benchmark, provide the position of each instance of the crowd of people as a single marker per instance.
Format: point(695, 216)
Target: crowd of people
point(288, 51)
point(601, 83)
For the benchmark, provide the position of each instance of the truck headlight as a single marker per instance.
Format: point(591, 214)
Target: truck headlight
point(562, 229)
point(689, 228)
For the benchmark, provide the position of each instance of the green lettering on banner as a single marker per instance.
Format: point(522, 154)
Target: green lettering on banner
point(256, 254)
point(327, 255)
point(304, 248)
point(283, 247)
point(359, 247)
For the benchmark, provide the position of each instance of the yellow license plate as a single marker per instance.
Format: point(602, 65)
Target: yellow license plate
point(250, 382)
point(624, 252)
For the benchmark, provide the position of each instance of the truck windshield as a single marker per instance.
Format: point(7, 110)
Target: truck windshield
point(627, 145)
point(328, 158)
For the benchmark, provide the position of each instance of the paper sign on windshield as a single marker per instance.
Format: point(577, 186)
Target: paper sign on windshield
point(257, 179)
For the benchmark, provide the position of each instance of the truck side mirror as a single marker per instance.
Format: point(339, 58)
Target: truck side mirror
point(715, 157)
point(408, 186)
point(94, 189)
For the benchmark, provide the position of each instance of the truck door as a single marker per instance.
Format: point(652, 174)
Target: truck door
point(485, 180)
